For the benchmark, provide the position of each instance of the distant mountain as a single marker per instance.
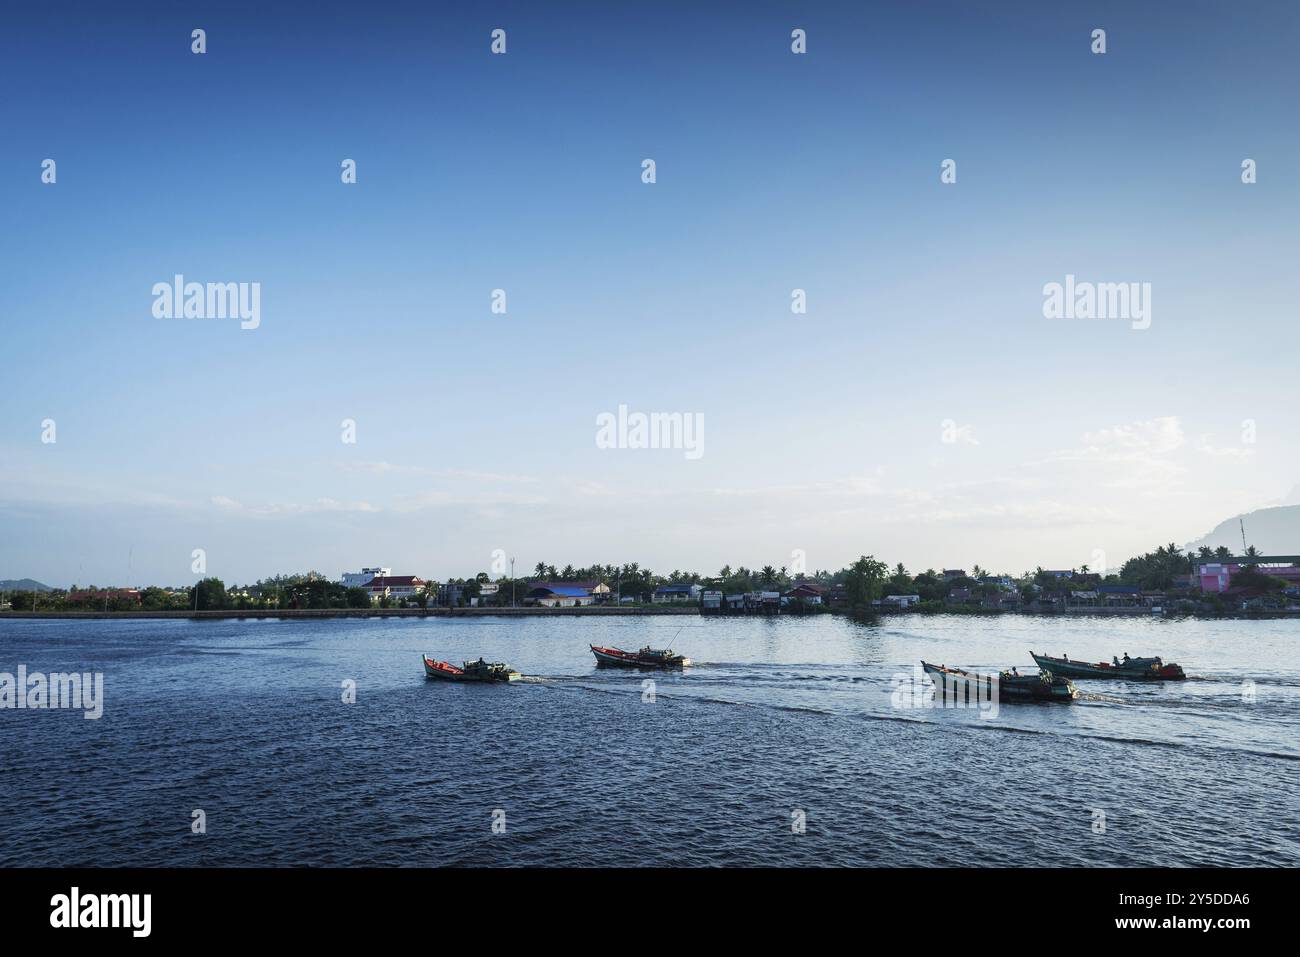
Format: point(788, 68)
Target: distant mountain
point(1274, 531)
point(23, 584)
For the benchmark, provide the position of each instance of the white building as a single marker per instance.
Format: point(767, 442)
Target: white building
point(364, 577)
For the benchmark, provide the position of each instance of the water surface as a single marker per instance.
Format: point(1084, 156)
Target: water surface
point(777, 721)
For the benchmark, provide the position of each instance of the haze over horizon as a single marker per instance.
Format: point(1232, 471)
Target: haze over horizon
point(923, 409)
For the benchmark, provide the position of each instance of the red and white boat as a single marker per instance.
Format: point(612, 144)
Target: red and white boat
point(647, 657)
point(469, 671)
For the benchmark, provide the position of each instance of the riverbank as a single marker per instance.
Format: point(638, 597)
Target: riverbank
point(595, 611)
point(606, 611)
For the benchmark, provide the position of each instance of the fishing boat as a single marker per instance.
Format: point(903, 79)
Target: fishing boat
point(1130, 669)
point(647, 657)
point(1007, 686)
point(469, 671)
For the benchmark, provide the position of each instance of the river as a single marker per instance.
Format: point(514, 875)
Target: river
point(787, 742)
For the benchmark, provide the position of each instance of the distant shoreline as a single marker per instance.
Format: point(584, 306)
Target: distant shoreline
point(598, 611)
point(589, 611)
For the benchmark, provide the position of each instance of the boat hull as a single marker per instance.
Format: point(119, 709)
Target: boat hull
point(971, 687)
point(445, 671)
point(1148, 671)
point(615, 658)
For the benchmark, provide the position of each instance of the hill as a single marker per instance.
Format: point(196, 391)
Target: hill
point(23, 584)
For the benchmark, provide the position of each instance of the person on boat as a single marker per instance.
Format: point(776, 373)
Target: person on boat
point(1065, 657)
point(1014, 672)
point(1126, 657)
point(1114, 660)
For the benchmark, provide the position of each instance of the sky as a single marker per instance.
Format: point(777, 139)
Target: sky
point(923, 409)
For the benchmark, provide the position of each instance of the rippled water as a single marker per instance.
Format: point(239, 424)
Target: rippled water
point(245, 721)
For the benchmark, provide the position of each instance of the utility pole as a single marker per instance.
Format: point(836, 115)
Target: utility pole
point(512, 581)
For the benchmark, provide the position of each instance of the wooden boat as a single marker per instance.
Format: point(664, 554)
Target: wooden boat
point(1007, 686)
point(1131, 669)
point(469, 671)
point(647, 657)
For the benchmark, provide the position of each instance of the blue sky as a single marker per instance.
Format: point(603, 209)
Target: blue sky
point(775, 171)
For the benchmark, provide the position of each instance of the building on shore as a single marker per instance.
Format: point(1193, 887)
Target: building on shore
point(92, 595)
point(1216, 577)
point(679, 592)
point(450, 595)
point(396, 587)
point(808, 592)
point(565, 594)
point(364, 577)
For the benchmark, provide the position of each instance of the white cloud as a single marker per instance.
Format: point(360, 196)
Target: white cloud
point(1206, 446)
point(389, 468)
point(291, 508)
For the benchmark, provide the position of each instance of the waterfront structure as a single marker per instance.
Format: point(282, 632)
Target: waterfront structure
point(104, 594)
point(808, 592)
point(450, 594)
point(1216, 577)
point(1003, 582)
point(680, 592)
point(565, 594)
point(1119, 596)
point(902, 601)
point(400, 587)
point(364, 577)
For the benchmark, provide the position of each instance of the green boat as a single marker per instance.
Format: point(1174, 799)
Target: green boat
point(1130, 669)
point(469, 671)
point(1007, 686)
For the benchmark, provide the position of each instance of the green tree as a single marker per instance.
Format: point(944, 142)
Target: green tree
point(864, 581)
point(211, 595)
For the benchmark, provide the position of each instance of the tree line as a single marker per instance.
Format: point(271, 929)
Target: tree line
point(865, 580)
